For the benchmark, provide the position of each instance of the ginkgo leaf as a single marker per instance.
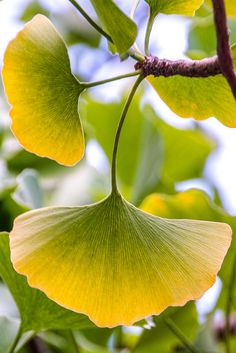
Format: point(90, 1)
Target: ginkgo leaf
point(121, 28)
point(36, 311)
point(181, 7)
point(198, 98)
point(114, 262)
point(230, 7)
point(187, 204)
point(43, 93)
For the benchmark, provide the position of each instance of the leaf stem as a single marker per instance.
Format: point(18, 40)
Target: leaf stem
point(118, 132)
point(16, 340)
point(178, 333)
point(91, 21)
point(229, 306)
point(73, 341)
point(98, 83)
point(150, 23)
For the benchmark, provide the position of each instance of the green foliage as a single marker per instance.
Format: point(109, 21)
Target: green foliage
point(139, 170)
point(161, 338)
point(121, 28)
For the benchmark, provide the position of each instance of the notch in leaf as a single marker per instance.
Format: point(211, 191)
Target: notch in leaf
point(43, 93)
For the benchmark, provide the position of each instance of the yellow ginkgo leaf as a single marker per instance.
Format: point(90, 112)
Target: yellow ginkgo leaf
point(114, 262)
point(43, 93)
point(180, 7)
point(198, 98)
point(230, 6)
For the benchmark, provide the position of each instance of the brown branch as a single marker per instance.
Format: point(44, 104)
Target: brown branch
point(152, 65)
point(220, 64)
point(223, 44)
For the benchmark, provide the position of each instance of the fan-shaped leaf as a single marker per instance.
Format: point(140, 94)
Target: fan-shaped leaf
point(114, 262)
point(43, 93)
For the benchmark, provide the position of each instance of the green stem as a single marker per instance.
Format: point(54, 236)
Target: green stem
point(136, 55)
point(91, 21)
point(229, 306)
point(73, 341)
point(98, 83)
point(150, 23)
point(16, 340)
point(23, 344)
point(118, 132)
point(178, 333)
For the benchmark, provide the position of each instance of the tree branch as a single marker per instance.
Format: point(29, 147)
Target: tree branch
point(223, 44)
point(152, 65)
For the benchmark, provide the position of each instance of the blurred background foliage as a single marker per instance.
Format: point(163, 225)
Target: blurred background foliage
point(157, 160)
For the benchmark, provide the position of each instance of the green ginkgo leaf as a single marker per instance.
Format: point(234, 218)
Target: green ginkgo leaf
point(198, 98)
point(181, 7)
point(121, 28)
point(43, 93)
point(114, 262)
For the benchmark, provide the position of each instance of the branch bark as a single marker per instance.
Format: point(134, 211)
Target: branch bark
point(152, 65)
point(220, 64)
point(223, 44)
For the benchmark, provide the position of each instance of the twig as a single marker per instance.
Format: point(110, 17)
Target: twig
point(152, 65)
point(223, 44)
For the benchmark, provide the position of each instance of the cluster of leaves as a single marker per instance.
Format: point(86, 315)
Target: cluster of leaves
point(152, 160)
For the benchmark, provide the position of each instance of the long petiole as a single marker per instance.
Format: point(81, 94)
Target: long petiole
point(118, 132)
point(116, 78)
point(150, 23)
point(91, 21)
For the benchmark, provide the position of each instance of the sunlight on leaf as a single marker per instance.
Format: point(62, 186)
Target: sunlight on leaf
point(115, 263)
point(121, 28)
point(181, 7)
point(43, 93)
point(198, 98)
